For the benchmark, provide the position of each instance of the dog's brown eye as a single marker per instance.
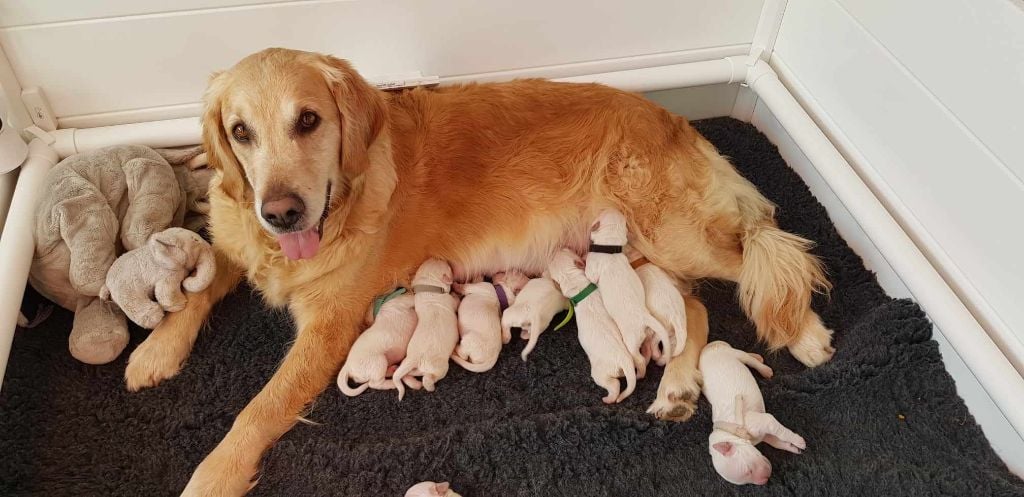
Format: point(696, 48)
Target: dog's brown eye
point(240, 133)
point(308, 120)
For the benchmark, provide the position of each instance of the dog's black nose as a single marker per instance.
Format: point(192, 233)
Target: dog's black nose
point(283, 212)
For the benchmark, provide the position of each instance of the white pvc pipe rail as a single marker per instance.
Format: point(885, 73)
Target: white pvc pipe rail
point(17, 243)
point(971, 341)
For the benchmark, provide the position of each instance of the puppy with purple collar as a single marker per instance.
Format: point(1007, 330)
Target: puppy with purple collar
point(480, 320)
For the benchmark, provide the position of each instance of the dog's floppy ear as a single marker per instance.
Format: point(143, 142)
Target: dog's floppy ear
point(215, 141)
point(362, 109)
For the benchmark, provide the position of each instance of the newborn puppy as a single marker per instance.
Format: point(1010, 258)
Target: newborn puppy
point(480, 323)
point(598, 335)
point(436, 332)
point(533, 311)
point(608, 268)
point(737, 410)
point(664, 302)
point(513, 282)
point(380, 347)
point(431, 489)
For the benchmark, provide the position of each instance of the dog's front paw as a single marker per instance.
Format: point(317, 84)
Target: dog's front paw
point(154, 360)
point(218, 476)
point(814, 346)
point(677, 395)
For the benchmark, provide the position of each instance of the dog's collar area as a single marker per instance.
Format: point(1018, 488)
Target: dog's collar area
point(584, 293)
point(734, 429)
point(327, 209)
point(427, 289)
point(638, 263)
point(605, 249)
point(379, 302)
point(738, 427)
point(502, 297)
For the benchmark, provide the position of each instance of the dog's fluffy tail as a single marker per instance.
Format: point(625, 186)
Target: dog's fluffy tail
point(346, 388)
point(777, 281)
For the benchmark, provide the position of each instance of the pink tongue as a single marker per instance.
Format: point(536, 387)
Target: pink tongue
point(300, 244)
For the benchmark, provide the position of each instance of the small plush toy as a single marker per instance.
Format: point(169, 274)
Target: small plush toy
point(159, 268)
point(96, 206)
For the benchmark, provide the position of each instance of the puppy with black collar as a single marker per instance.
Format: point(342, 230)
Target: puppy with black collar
point(608, 268)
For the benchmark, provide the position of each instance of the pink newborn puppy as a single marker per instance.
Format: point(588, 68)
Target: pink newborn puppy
point(664, 302)
point(533, 311)
point(436, 332)
point(431, 489)
point(598, 335)
point(380, 347)
point(608, 268)
point(737, 410)
point(480, 324)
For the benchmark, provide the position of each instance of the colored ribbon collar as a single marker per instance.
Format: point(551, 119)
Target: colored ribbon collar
point(642, 261)
point(383, 299)
point(428, 289)
point(575, 301)
point(502, 297)
point(605, 249)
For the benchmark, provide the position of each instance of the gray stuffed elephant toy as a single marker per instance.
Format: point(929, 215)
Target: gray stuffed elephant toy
point(98, 205)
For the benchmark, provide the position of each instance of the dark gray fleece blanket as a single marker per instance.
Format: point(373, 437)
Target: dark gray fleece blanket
point(883, 418)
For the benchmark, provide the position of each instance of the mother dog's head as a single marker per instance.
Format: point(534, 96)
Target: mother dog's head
point(300, 137)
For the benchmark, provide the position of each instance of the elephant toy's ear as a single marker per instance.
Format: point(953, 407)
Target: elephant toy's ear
point(166, 252)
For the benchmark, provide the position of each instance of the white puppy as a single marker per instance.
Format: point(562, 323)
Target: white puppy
point(608, 268)
point(436, 332)
point(533, 311)
point(431, 489)
point(480, 323)
point(664, 302)
point(380, 348)
point(737, 410)
point(598, 335)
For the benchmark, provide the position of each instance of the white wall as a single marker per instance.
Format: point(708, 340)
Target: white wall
point(933, 104)
point(100, 57)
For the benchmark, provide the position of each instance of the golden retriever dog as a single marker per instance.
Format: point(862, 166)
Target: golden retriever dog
point(329, 192)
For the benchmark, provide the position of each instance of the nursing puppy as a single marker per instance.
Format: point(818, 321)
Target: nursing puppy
point(737, 410)
point(609, 359)
point(380, 348)
point(533, 311)
point(664, 301)
point(608, 268)
point(436, 332)
point(480, 322)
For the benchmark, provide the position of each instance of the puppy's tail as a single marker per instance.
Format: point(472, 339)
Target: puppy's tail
point(346, 388)
point(473, 366)
point(776, 283)
point(630, 382)
point(403, 369)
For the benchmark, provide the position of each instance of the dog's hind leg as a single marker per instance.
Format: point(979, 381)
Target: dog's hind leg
point(680, 384)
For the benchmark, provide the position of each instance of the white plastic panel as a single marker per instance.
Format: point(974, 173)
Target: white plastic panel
point(133, 62)
point(22, 12)
point(950, 191)
point(968, 53)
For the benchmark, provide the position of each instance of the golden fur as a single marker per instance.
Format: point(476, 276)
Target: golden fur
point(489, 177)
